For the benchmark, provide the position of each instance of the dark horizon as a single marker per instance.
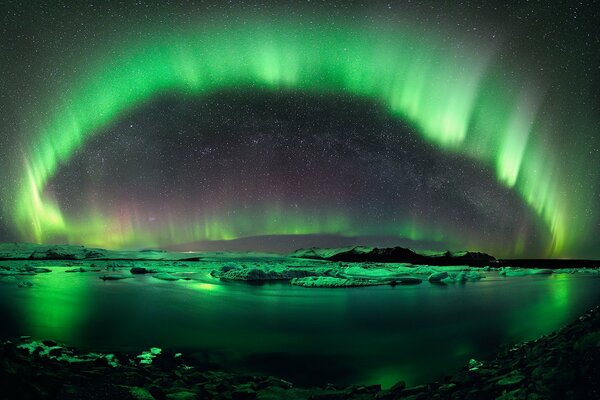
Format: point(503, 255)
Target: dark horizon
point(305, 242)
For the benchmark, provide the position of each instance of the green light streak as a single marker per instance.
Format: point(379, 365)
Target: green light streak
point(127, 231)
point(448, 94)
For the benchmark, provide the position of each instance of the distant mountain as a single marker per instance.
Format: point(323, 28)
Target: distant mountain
point(33, 251)
point(320, 253)
point(395, 255)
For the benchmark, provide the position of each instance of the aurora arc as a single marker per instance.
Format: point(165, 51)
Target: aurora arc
point(449, 94)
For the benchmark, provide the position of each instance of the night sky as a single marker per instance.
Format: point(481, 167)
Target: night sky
point(261, 126)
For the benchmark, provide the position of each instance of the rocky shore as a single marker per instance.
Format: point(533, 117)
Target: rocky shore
point(561, 365)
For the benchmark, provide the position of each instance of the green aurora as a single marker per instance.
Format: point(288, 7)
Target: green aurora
point(455, 96)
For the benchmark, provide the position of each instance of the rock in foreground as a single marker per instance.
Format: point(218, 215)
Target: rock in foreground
point(562, 365)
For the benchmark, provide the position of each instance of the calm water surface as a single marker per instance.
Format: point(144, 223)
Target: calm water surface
point(309, 336)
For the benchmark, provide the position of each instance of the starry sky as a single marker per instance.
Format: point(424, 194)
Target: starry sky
point(272, 126)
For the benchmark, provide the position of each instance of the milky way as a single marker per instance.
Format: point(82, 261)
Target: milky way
point(267, 125)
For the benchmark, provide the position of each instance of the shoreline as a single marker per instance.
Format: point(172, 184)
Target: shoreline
point(564, 364)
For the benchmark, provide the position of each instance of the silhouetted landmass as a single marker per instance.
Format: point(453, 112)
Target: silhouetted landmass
point(408, 256)
point(350, 254)
point(396, 255)
point(33, 252)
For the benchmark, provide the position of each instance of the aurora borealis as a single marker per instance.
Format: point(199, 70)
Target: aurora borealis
point(204, 124)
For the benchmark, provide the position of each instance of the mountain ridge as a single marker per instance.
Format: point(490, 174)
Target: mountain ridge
point(395, 254)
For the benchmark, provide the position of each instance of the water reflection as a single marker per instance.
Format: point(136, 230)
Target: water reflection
point(56, 306)
point(548, 307)
point(310, 336)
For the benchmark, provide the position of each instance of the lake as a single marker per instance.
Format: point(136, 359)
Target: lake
point(309, 336)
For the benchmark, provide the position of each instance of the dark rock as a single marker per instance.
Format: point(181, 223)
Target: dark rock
point(371, 389)
point(55, 352)
point(409, 281)
point(140, 393)
point(141, 270)
point(278, 393)
point(437, 277)
point(413, 390)
point(447, 387)
point(113, 277)
point(510, 379)
point(273, 381)
point(243, 392)
point(92, 268)
point(182, 394)
point(330, 395)
point(156, 391)
point(398, 386)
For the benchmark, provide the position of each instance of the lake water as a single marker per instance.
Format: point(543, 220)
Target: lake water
point(309, 336)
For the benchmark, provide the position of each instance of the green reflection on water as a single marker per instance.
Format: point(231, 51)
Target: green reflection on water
point(57, 306)
point(548, 311)
point(361, 335)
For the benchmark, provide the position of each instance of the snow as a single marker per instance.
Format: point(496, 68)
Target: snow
point(333, 282)
point(147, 356)
point(65, 355)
